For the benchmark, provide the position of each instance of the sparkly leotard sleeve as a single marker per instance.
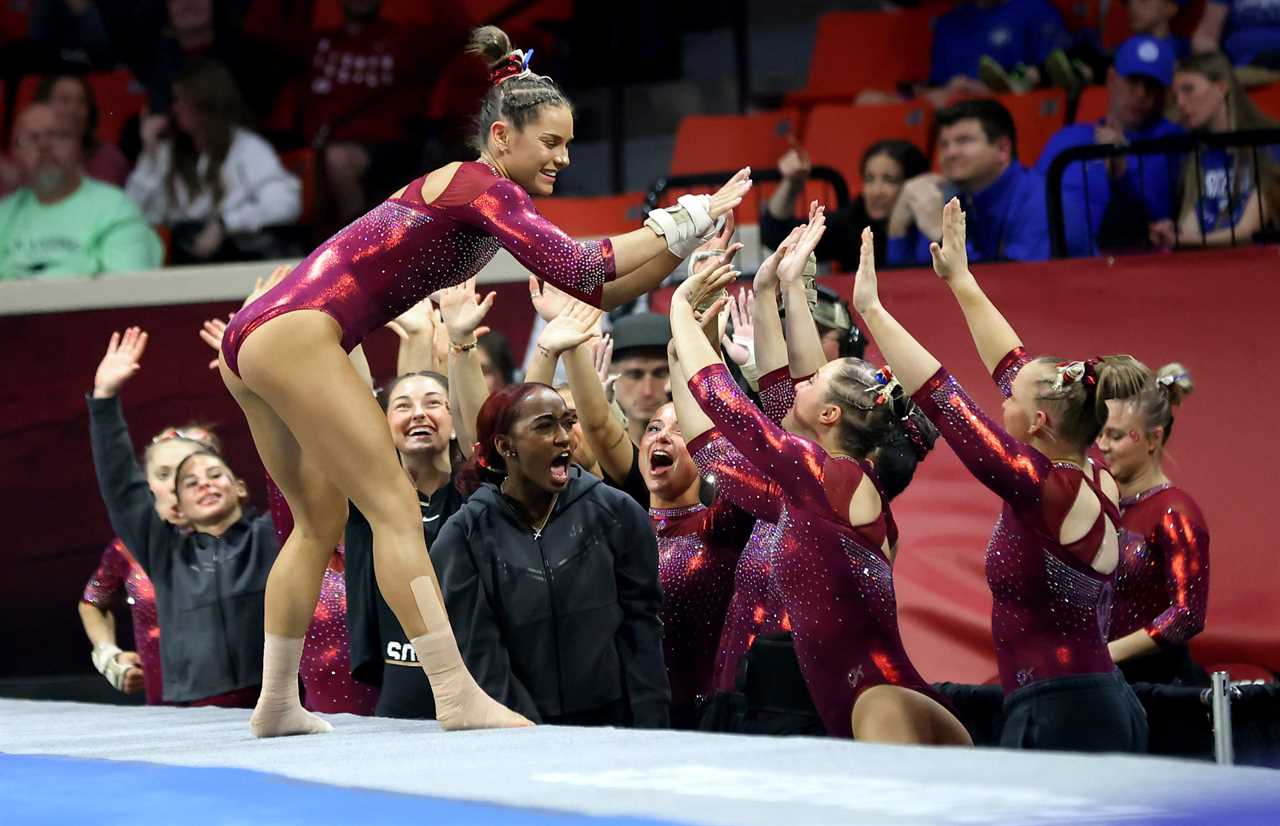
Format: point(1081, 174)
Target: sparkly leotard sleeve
point(116, 570)
point(834, 579)
point(404, 249)
point(1050, 608)
point(1162, 584)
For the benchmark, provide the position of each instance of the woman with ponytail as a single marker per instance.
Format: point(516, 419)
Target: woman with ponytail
point(828, 566)
point(1162, 584)
point(324, 449)
point(1052, 558)
point(551, 576)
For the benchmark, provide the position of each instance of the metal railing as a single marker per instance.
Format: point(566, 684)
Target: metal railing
point(1191, 145)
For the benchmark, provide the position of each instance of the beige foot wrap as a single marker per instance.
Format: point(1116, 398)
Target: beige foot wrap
point(279, 712)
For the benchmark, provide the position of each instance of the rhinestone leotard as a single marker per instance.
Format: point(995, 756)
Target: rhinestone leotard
point(403, 250)
point(698, 547)
point(118, 569)
point(1162, 584)
point(834, 579)
point(1050, 608)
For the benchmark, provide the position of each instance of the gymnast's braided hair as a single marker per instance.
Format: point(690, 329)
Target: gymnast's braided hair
point(516, 94)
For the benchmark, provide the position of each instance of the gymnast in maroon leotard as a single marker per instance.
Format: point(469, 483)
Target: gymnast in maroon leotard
point(1052, 557)
point(832, 566)
point(1162, 584)
point(320, 434)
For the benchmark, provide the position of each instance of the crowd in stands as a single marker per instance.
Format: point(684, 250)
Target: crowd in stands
point(254, 133)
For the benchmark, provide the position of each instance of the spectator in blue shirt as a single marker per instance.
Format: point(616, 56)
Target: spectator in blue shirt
point(1226, 195)
point(1248, 31)
point(1154, 18)
point(1011, 32)
point(976, 153)
point(1111, 203)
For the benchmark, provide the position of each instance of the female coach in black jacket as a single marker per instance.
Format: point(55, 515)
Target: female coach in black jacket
point(551, 577)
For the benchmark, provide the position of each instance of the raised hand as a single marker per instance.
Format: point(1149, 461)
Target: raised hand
point(866, 286)
point(766, 279)
point(950, 258)
point(739, 347)
point(211, 333)
point(123, 359)
point(731, 194)
point(417, 320)
point(575, 325)
point(698, 288)
point(795, 164)
point(602, 356)
point(793, 263)
point(260, 285)
point(547, 300)
point(462, 311)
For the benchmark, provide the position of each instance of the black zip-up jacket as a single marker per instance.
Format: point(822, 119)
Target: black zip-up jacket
point(562, 628)
point(209, 589)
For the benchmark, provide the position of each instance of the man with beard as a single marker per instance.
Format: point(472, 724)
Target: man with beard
point(61, 222)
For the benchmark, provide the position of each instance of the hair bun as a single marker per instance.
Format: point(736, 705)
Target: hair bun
point(1176, 381)
point(491, 44)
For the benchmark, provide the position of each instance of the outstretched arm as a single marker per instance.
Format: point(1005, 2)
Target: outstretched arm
point(804, 346)
point(766, 323)
point(992, 334)
point(462, 312)
point(911, 363)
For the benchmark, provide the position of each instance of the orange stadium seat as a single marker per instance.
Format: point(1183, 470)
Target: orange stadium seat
point(866, 50)
point(594, 217)
point(1267, 98)
point(716, 143)
point(836, 136)
point(1092, 105)
point(1038, 115)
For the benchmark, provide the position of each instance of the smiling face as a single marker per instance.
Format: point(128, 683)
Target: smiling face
point(208, 492)
point(535, 155)
point(162, 460)
point(665, 463)
point(882, 179)
point(418, 416)
point(537, 447)
point(968, 158)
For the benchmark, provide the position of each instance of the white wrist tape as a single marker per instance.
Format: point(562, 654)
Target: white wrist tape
point(684, 226)
point(104, 659)
point(699, 209)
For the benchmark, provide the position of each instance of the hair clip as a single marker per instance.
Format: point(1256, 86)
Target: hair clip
point(1068, 373)
point(1170, 380)
point(887, 386)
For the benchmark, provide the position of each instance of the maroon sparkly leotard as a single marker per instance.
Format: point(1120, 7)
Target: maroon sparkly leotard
point(403, 250)
point(698, 547)
point(1162, 584)
point(118, 569)
point(1050, 608)
point(834, 579)
point(326, 656)
point(755, 607)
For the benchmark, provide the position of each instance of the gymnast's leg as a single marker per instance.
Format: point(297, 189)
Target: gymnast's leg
point(295, 364)
point(893, 714)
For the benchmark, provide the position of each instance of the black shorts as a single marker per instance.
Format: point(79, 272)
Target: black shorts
point(1088, 712)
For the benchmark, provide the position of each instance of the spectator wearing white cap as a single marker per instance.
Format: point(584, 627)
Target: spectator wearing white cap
point(1110, 204)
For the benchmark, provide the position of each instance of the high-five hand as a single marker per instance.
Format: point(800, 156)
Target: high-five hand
point(866, 287)
point(950, 258)
point(123, 359)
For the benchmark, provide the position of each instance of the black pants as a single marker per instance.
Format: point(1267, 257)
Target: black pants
point(1088, 712)
point(1168, 665)
point(771, 696)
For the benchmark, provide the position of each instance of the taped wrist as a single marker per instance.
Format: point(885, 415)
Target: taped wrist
point(104, 659)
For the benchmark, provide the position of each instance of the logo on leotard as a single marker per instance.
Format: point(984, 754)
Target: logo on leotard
point(1024, 676)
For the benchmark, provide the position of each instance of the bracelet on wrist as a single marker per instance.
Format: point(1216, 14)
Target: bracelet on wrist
point(463, 348)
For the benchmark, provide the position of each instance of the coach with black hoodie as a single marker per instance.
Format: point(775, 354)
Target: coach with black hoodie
point(551, 577)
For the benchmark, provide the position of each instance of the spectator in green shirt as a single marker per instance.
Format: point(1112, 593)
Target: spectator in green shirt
point(61, 222)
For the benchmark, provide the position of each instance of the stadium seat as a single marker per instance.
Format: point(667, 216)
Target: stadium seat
point(1038, 115)
point(594, 217)
point(1092, 105)
point(1267, 98)
point(717, 143)
point(866, 50)
point(302, 162)
point(836, 136)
